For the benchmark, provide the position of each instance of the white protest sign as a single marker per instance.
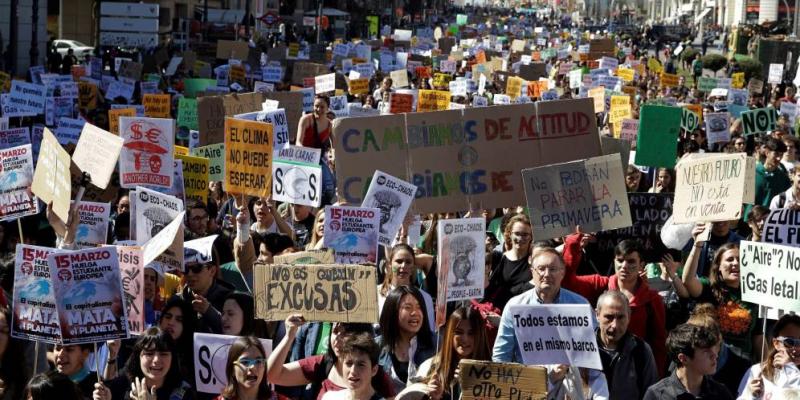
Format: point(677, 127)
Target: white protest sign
point(263, 87)
point(710, 188)
point(775, 73)
point(153, 212)
point(479, 101)
point(165, 239)
point(630, 129)
point(782, 227)
point(211, 358)
point(173, 65)
point(458, 88)
point(717, 127)
point(790, 110)
point(769, 274)
point(325, 83)
point(393, 197)
point(97, 154)
point(147, 154)
point(462, 254)
point(88, 293)
point(556, 334)
point(93, 225)
point(339, 106)
point(399, 78)
point(296, 183)
point(352, 233)
point(16, 177)
point(69, 89)
point(590, 193)
point(280, 125)
point(27, 96)
point(575, 79)
point(35, 316)
point(131, 267)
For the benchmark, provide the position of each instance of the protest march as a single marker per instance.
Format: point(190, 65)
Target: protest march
point(446, 201)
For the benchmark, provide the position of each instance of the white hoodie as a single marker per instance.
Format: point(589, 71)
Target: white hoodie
point(786, 383)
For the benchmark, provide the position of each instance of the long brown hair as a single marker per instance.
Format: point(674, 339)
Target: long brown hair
point(718, 287)
point(767, 367)
point(444, 363)
point(239, 346)
point(314, 237)
point(522, 218)
point(387, 279)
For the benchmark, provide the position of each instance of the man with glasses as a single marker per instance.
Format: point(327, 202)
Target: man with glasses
point(648, 316)
point(206, 293)
point(548, 272)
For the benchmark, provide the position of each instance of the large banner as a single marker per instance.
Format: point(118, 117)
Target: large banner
point(211, 358)
point(16, 177)
point(35, 316)
point(462, 257)
point(352, 233)
point(147, 155)
point(556, 334)
point(89, 295)
point(460, 158)
point(590, 193)
point(393, 197)
point(769, 275)
point(335, 293)
point(710, 188)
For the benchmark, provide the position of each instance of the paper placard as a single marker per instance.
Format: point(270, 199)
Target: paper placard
point(51, 179)
point(216, 157)
point(393, 197)
point(248, 157)
point(211, 358)
point(352, 233)
point(717, 127)
point(35, 316)
point(590, 193)
point(93, 224)
point(556, 334)
point(710, 188)
point(759, 121)
point(769, 275)
point(341, 293)
point(782, 227)
point(461, 249)
point(131, 266)
point(147, 153)
point(97, 153)
point(16, 176)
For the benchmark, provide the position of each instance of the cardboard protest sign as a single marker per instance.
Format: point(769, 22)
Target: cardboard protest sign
point(227, 49)
point(89, 295)
point(212, 110)
point(782, 227)
point(769, 275)
point(717, 127)
point(195, 177)
point(393, 197)
point(620, 110)
point(669, 80)
point(280, 126)
point(352, 233)
point(433, 100)
point(306, 257)
point(187, 113)
point(211, 358)
point(482, 380)
point(97, 153)
point(462, 251)
point(626, 74)
point(342, 293)
point(532, 71)
point(325, 83)
point(358, 86)
point(147, 153)
point(16, 176)
point(307, 70)
point(649, 213)
point(710, 188)
point(51, 179)
point(93, 225)
point(113, 118)
point(215, 154)
point(248, 157)
point(759, 121)
point(156, 105)
point(737, 80)
point(706, 84)
point(590, 193)
point(656, 142)
point(399, 78)
point(556, 334)
point(598, 96)
point(514, 86)
point(131, 266)
point(35, 316)
point(468, 149)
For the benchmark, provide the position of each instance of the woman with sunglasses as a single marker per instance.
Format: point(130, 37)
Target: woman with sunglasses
point(324, 372)
point(779, 372)
point(245, 371)
point(151, 373)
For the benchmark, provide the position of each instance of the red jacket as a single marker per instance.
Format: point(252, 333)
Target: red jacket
point(648, 316)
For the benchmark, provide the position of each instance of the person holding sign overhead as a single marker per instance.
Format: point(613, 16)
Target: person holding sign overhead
point(246, 371)
point(151, 373)
point(314, 130)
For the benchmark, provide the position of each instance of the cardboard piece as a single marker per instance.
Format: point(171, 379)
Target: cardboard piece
point(484, 379)
point(710, 188)
point(341, 293)
point(212, 110)
point(51, 179)
point(769, 274)
point(228, 49)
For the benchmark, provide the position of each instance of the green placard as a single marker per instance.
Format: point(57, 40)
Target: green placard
point(215, 153)
point(707, 84)
point(192, 86)
point(657, 140)
point(759, 121)
point(187, 113)
point(461, 19)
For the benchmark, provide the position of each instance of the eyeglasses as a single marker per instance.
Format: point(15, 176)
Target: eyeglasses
point(251, 362)
point(551, 269)
point(789, 341)
point(198, 268)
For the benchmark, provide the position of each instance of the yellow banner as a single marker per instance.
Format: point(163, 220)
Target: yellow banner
point(113, 118)
point(737, 80)
point(669, 80)
point(195, 176)
point(359, 86)
point(248, 157)
point(626, 74)
point(514, 86)
point(620, 110)
point(156, 105)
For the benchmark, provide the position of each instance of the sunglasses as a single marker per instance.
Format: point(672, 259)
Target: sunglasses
point(789, 341)
point(251, 362)
point(198, 268)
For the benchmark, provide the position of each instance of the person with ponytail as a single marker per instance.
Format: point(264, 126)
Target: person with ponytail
point(778, 373)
